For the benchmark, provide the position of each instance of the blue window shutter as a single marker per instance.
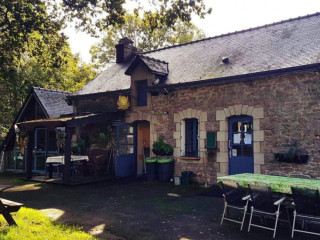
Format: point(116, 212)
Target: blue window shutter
point(195, 137)
point(191, 137)
point(142, 93)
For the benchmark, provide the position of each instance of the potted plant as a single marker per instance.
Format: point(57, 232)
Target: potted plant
point(79, 148)
point(60, 137)
point(293, 155)
point(160, 148)
point(164, 164)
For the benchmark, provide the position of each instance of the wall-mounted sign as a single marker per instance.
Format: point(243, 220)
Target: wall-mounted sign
point(247, 138)
point(211, 140)
point(234, 152)
point(123, 103)
point(236, 138)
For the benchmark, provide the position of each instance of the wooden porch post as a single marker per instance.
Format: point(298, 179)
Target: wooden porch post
point(29, 158)
point(67, 154)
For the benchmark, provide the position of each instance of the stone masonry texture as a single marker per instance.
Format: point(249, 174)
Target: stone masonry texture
point(291, 106)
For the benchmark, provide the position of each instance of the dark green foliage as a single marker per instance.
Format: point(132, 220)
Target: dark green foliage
point(96, 15)
point(144, 37)
point(34, 50)
point(293, 155)
point(161, 148)
point(80, 147)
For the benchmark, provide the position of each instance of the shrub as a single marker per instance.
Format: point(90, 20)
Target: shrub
point(161, 148)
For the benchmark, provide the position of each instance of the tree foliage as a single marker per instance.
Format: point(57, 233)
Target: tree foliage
point(140, 32)
point(34, 51)
point(41, 70)
point(91, 15)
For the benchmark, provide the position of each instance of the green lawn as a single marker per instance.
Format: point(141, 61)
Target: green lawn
point(34, 225)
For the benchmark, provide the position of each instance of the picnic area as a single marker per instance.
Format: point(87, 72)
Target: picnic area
point(132, 209)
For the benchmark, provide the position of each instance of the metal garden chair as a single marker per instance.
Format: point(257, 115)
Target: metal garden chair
point(234, 198)
point(306, 203)
point(264, 206)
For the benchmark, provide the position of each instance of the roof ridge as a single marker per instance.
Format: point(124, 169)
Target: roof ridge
point(154, 59)
point(50, 90)
point(236, 32)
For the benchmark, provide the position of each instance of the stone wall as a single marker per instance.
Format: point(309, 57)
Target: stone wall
point(285, 109)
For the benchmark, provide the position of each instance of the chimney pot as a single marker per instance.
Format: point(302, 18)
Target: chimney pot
point(125, 50)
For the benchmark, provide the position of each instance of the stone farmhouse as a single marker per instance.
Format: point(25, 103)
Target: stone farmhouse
point(246, 101)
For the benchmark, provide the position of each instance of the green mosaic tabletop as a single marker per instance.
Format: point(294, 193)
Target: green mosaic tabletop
point(277, 184)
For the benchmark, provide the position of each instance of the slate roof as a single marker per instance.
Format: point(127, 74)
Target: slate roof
point(111, 79)
point(156, 66)
point(53, 102)
point(290, 43)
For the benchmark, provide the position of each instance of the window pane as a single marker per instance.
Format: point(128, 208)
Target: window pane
point(236, 151)
point(191, 135)
point(125, 149)
point(247, 138)
point(236, 127)
point(142, 93)
point(130, 139)
point(19, 162)
point(12, 161)
point(247, 151)
point(41, 161)
point(52, 142)
point(247, 126)
point(41, 139)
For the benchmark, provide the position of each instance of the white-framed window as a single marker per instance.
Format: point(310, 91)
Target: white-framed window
point(190, 137)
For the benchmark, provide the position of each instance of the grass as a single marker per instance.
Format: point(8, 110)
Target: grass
point(34, 225)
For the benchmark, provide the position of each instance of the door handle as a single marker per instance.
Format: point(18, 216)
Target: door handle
point(230, 144)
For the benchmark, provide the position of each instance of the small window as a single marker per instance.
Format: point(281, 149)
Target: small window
point(191, 137)
point(142, 93)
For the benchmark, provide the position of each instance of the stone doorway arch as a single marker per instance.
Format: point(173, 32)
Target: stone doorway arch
point(222, 117)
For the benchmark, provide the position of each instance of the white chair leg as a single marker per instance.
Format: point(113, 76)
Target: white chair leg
point(294, 223)
point(250, 219)
point(224, 211)
point(243, 218)
point(275, 225)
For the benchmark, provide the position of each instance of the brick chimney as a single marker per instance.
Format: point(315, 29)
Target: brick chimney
point(125, 50)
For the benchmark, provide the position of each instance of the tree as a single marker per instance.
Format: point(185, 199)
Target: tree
point(34, 52)
point(139, 31)
point(91, 15)
point(33, 49)
point(39, 69)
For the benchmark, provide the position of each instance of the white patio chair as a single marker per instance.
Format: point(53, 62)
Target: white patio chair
point(234, 198)
point(263, 205)
point(306, 202)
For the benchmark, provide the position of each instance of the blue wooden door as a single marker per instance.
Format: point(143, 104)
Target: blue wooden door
point(125, 161)
point(241, 145)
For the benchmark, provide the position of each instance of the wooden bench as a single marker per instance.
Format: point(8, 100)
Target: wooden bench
point(7, 207)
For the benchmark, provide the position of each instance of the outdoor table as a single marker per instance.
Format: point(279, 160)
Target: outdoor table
point(7, 206)
point(60, 159)
point(276, 183)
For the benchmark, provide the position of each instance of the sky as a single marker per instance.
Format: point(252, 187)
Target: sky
point(227, 16)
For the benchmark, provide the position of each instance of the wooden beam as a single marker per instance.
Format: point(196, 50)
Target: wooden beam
point(67, 154)
point(29, 157)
